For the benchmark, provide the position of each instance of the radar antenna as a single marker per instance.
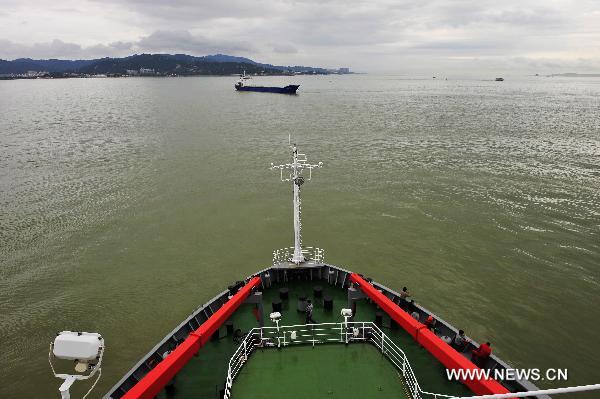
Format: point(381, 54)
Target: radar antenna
point(294, 174)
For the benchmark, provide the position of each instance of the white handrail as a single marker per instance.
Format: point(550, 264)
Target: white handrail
point(553, 391)
point(322, 333)
point(283, 255)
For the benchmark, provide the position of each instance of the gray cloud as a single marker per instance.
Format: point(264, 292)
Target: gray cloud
point(194, 10)
point(460, 47)
point(285, 49)
point(537, 17)
point(178, 41)
point(184, 41)
point(59, 49)
point(363, 34)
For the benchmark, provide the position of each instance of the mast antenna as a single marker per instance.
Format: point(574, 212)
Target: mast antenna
point(294, 173)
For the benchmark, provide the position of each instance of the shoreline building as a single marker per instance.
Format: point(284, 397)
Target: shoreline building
point(147, 72)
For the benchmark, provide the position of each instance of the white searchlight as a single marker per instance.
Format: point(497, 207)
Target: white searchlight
point(275, 318)
point(347, 314)
point(85, 350)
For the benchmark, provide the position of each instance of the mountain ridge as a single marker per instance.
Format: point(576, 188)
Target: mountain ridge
point(215, 64)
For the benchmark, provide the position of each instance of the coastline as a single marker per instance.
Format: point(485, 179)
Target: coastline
point(104, 76)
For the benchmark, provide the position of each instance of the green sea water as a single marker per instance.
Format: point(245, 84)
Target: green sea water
point(126, 203)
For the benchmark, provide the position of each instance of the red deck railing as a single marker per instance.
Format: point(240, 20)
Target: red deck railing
point(153, 382)
point(449, 357)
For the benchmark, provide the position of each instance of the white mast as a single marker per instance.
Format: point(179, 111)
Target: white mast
point(299, 163)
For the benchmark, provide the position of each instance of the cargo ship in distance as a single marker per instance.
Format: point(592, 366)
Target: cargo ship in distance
point(245, 84)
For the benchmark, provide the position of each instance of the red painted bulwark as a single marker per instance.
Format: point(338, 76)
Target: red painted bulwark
point(153, 382)
point(450, 358)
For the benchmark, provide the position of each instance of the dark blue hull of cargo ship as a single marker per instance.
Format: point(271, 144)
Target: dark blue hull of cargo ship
point(290, 89)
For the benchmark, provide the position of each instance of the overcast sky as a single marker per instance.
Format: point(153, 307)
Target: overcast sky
point(371, 35)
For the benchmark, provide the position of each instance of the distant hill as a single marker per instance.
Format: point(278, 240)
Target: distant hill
point(228, 58)
point(22, 65)
point(169, 64)
point(181, 64)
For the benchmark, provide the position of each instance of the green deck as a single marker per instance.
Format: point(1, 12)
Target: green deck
point(326, 371)
point(305, 371)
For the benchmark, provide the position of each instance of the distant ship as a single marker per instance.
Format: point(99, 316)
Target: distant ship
point(245, 84)
point(499, 79)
